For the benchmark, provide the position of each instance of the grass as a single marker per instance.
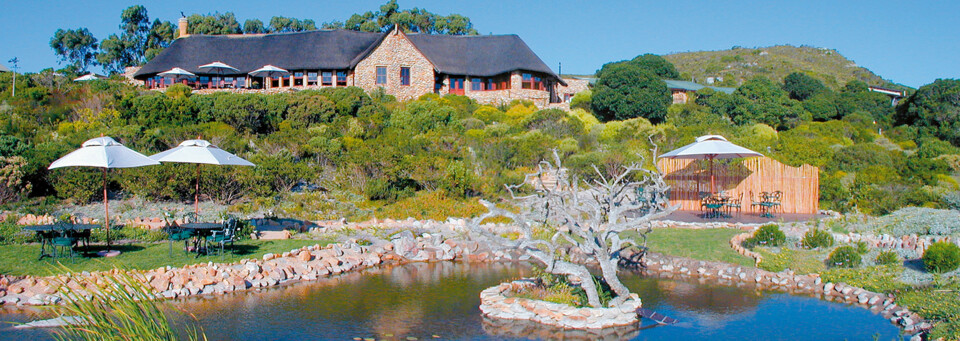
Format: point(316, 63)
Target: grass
point(21, 260)
point(800, 261)
point(705, 244)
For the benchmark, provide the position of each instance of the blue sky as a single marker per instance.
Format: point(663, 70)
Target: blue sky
point(912, 43)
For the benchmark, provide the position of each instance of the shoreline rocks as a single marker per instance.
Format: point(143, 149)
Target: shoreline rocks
point(494, 303)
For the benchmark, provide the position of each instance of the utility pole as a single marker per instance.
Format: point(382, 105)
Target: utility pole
point(14, 61)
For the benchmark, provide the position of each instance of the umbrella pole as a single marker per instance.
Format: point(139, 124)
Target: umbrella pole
point(106, 208)
point(196, 195)
point(713, 190)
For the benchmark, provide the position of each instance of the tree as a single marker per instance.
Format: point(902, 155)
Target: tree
point(284, 24)
point(215, 23)
point(935, 109)
point(116, 53)
point(760, 100)
point(801, 86)
point(410, 20)
point(78, 47)
point(135, 26)
point(590, 216)
point(253, 26)
point(625, 91)
point(656, 64)
point(160, 36)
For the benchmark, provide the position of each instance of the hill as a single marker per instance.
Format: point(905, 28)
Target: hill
point(775, 62)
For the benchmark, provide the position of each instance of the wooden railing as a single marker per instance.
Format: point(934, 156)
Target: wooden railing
point(690, 179)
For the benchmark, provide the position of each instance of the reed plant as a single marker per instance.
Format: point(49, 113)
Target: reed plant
point(117, 305)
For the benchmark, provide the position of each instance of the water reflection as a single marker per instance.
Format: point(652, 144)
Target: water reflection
point(426, 299)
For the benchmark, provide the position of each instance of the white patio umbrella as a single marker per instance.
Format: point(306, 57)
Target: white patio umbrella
point(710, 147)
point(199, 152)
point(269, 71)
point(87, 77)
point(176, 74)
point(105, 153)
point(218, 68)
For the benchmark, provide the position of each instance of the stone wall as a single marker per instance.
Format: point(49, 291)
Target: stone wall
point(394, 52)
point(573, 87)
point(495, 303)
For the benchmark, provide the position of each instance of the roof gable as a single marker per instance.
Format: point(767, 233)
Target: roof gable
point(488, 55)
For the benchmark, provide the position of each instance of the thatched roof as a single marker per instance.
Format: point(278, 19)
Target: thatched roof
point(343, 49)
point(4, 68)
point(312, 50)
point(479, 55)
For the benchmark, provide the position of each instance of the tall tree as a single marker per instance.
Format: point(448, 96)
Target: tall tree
point(116, 53)
point(253, 26)
point(135, 26)
point(625, 91)
point(78, 47)
point(410, 20)
point(160, 36)
point(284, 24)
point(216, 23)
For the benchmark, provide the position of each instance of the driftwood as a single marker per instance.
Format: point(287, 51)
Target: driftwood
point(591, 216)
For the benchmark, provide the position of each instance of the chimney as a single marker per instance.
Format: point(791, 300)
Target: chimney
point(182, 24)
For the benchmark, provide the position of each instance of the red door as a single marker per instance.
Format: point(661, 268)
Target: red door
point(456, 85)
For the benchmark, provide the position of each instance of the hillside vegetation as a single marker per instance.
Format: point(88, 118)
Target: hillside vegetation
point(738, 64)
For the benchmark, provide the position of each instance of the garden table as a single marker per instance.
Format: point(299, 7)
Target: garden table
point(47, 232)
point(202, 231)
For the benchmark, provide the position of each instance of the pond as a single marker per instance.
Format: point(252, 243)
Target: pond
point(440, 300)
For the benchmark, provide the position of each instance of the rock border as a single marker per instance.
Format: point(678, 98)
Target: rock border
point(495, 304)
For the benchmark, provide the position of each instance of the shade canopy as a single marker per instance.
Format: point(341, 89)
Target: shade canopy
point(176, 72)
point(103, 152)
point(710, 147)
point(200, 151)
point(87, 77)
point(269, 71)
point(218, 68)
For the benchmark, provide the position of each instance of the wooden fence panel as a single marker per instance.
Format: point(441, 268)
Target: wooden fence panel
point(689, 178)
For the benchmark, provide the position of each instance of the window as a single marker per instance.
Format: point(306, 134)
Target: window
point(381, 75)
point(341, 78)
point(298, 78)
point(476, 84)
point(404, 76)
point(327, 79)
point(311, 78)
point(532, 82)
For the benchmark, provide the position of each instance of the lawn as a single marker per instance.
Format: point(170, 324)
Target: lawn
point(22, 259)
point(703, 244)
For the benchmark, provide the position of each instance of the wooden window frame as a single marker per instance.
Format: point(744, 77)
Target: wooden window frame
point(377, 74)
point(341, 78)
point(326, 78)
point(404, 79)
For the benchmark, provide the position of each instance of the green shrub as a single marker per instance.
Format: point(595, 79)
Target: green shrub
point(817, 238)
point(11, 233)
point(942, 257)
point(887, 257)
point(862, 247)
point(766, 235)
point(844, 257)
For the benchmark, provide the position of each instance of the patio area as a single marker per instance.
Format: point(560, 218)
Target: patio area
point(743, 218)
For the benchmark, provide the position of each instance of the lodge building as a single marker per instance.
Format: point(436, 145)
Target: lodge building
point(491, 69)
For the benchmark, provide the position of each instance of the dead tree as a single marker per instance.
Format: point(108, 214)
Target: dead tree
point(592, 216)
